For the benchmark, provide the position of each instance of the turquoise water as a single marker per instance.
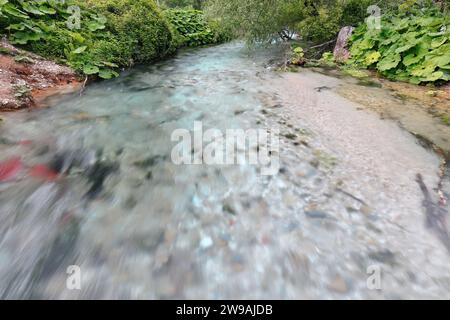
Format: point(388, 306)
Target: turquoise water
point(138, 226)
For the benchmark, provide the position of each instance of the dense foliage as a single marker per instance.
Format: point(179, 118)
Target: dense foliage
point(314, 20)
point(109, 34)
point(194, 4)
point(192, 29)
point(138, 26)
point(412, 46)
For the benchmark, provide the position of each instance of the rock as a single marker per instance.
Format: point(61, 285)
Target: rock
point(366, 210)
point(338, 285)
point(316, 214)
point(383, 256)
point(206, 243)
point(341, 52)
point(28, 81)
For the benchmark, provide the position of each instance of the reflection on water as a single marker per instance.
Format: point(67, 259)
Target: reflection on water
point(89, 182)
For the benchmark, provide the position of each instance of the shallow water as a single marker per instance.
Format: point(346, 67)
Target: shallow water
point(141, 227)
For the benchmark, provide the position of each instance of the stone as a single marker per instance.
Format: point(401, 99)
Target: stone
point(316, 214)
point(341, 52)
point(206, 243)
point(338, 285)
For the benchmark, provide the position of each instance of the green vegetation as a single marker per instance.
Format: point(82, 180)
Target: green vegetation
point(193, 4)
point(98, 37)
point(191, 28)
point(42, 26)
point(412, 46)
point(445, 119)
point(314, 20)
point(298, 56)
point(139, 31)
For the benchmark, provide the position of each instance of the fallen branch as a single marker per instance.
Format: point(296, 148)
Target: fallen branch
point(83, 86)
point(323, 44)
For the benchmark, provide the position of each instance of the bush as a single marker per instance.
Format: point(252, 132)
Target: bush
point(321, 26)
point(412, 46)
point(191, 28)
point(112, 33)
point(138, 25)
point(41, 26)
point(323, 21)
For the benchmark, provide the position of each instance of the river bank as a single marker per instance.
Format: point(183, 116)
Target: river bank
point(26, 79)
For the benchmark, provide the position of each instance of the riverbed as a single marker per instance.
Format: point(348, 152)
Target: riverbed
point(95, 187)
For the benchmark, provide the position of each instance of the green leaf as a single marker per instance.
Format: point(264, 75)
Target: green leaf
point(389, 62)
point(414, 80)
point(437, 42)
point(28, 7)
point(12, 10)
point(47, 10)
point(429, 21)
point(108, 74)
point(424, 70)
point(79, 50)
point(372, 57)
point(438, 59)
point(94, 26)
point(90, 69)
point(433, 76)
point(77, 37)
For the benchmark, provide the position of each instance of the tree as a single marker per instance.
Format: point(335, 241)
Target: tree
point(315, 20)
point(257, 20)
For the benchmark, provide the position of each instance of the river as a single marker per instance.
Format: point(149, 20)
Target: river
point(92, 185)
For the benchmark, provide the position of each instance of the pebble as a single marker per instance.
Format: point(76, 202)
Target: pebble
point(338, 285)
point(366, 210)
point(206, 243)
point(316, 214)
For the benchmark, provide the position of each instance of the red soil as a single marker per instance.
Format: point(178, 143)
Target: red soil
point(26, 80)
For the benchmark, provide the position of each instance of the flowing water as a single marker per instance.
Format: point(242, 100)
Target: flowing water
point(91, 184)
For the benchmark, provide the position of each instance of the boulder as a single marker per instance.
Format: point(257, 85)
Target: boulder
point(341, 52)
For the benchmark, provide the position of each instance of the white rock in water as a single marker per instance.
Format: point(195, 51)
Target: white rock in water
point(206, 243)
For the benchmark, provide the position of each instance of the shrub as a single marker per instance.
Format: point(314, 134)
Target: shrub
point(298, 56)
point(323, 21)
point(191, 28)
point(140, 28)
point(412, 46)
point(112, 33)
